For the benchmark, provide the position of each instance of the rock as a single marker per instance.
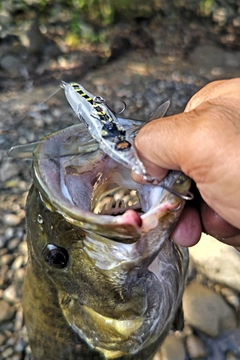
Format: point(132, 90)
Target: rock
point(16, 357)
point(5, 17)
point(7, 353)
point(220, 15)
point(11, 219)
point(236, 21)
point(11, 294)
point(6, 311)
point(231, 297)
point(209, 57)
point(14, 66)
point(206, 310)
point(3, 339)
point(19, 322)
point(8, 233)
point(218, 261)
point(19, 275)
point(13, 244)
point(231, 356)
point(8, 170)
point(171, 349)
point(195, 347)
point(6, 259)
point(3, 272)
point(18, 262)
point(23, 248)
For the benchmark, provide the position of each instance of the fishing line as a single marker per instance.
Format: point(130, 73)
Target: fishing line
point(48, 98)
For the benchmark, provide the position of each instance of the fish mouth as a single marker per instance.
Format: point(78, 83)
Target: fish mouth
point(94, 192)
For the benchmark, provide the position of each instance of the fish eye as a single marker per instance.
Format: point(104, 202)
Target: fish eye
point(55, 256)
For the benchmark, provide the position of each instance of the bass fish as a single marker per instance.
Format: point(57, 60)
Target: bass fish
point(103, 281)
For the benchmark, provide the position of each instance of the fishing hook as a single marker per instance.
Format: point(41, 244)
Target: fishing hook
point(154, 181)
point(99, 100)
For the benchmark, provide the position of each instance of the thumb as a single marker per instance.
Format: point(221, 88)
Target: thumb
point(162, 144)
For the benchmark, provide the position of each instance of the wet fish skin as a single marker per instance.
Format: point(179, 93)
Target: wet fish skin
point(114, 299)
point(49, 334)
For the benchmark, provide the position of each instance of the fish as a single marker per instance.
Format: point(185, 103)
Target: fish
point(103, 280)
point(99, 286)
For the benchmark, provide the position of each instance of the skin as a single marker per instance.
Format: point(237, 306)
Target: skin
point(204, 143)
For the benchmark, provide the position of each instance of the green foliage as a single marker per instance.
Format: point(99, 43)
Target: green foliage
point(102, 13)
point(89, 20)
point(96, 12)
point(206, 6)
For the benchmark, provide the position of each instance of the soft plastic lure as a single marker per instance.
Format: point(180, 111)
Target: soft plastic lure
point(114, 135)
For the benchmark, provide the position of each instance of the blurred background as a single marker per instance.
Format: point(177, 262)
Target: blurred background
point(45, 40)
point(143, 53)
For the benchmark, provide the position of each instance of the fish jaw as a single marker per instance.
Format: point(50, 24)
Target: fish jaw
point(69, 184)
point(149, 220)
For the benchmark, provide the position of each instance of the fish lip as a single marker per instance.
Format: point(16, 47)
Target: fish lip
point(46, 175)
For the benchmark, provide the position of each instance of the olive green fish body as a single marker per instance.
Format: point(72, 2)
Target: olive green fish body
point(50, 336)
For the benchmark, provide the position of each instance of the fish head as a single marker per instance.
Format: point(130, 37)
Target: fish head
point(102, 242)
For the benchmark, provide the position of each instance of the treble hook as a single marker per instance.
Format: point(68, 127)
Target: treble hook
point(154, 181)
point(99, 100)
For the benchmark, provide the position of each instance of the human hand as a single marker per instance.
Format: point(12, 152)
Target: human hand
point(204, 143)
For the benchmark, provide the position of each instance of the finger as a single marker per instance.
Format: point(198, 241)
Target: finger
point(216, 91)
point(216, 226)
point(232, 240)
point(188, 230)
point(161, 142)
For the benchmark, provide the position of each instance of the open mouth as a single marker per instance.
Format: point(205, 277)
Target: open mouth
point(96, 193)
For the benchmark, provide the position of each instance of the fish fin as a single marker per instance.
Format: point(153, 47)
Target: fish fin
point(160, 111)
point(178, 323)
point(70, 149)
point(23, 151)
point(130, 123)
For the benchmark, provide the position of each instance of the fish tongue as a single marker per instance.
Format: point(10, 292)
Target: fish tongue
point(130, 217)
point(149, 220)
point(155, 202)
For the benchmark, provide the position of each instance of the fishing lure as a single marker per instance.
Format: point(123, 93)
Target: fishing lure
point(104, 126)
